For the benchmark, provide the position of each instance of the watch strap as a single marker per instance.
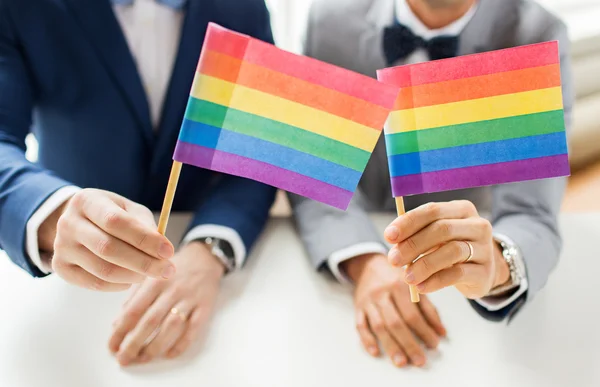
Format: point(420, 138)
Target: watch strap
point(222, 250)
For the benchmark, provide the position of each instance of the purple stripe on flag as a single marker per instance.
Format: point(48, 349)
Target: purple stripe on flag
point(265, 173)
point(483, 175)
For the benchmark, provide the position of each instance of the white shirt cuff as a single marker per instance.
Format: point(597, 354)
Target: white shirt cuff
point(494, 304)
point(335, 259)
point(221, 232)
point(43, 212)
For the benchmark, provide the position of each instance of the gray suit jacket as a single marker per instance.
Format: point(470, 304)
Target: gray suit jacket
point(349, 33)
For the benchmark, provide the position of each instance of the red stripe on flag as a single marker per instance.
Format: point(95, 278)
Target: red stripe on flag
point(511, 59)
point(225, 41)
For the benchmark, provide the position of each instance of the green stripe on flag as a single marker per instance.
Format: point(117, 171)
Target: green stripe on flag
point(276, 132)
point(475, 133)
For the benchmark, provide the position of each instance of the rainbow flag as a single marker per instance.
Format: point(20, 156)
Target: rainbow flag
point(282, 119)
point(477, 120)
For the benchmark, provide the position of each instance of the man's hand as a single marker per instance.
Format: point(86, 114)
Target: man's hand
point(384, 312)
point(162, 318)
point(105, 242)
point(442, 230)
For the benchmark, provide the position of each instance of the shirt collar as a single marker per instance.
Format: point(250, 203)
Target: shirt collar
point(406, 17)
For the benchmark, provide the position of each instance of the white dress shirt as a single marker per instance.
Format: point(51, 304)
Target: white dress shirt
point(405, 16)
point(153, 32)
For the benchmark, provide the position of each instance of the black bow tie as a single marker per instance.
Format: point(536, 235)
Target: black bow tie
point(399, 42)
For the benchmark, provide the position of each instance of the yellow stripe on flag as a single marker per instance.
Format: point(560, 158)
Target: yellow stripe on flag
point(502, 106)
point(279, 109)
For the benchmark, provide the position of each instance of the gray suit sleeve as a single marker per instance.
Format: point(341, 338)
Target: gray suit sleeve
point(325, 230)
point(527, 212)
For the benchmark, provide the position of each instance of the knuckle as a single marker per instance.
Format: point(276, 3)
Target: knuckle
point(410, 219)
point(432, 210)
point(105, 246)
point(486, 227)
point(426, 265)
point(58, 264)
point(459, 273)
point(173, 322)
point(178, 291)
point(98, 284)
point(143, 239)
point(153, 321)
point(107, 270)
point(64, 224)
point(133, 315)
point(361, 326)
point(79, 200)
point(132, 348)
point(113, 220)
point(468, 206)
point(443, 228)
point(378, 327)
point(412, 245)
point(395, 324)
point(146, 265)
point(60, 243)
point(412, 319)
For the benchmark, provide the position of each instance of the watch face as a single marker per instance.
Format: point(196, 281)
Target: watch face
point(227, 249)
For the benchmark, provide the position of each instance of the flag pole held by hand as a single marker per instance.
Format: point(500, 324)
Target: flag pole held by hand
point(169, 196)
point(414, 293)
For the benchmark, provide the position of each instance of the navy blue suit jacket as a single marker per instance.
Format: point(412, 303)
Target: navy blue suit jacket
point(66, 74)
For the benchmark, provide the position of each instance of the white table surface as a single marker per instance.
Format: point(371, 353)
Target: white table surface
point(279, 324)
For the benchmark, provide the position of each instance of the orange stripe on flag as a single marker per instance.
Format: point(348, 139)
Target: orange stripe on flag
point(294, 89)
point(509, 82)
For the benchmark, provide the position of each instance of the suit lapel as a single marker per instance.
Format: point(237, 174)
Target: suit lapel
point(99, 23)
point(192, 38)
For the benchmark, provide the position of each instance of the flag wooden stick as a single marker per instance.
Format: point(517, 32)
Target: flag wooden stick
point(414, 293)
point(169, 196)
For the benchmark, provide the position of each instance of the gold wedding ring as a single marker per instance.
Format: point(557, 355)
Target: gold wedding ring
point(179, 313)
point(470, 252)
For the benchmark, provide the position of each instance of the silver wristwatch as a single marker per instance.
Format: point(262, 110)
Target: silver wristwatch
point(222, 250)
point(512, 256)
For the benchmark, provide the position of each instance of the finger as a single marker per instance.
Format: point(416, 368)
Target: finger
point(103, 269)
point(138, 304)
point(467, 273)
point(367, 338)
point(196, 323)
point(436, 234)
point(132, 293)
point(145, 328)
point(78, 276)
point(122, 254)
point(411, 314)
point(389, 344)
point(171, 329)
point(115, 221)
point(410, 223)
point(400, 331)
point(449, 254)
point(142, 213)
point(432, 316)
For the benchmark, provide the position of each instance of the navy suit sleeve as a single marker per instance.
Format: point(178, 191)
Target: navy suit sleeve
point(238, 203)
point(23, 185)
